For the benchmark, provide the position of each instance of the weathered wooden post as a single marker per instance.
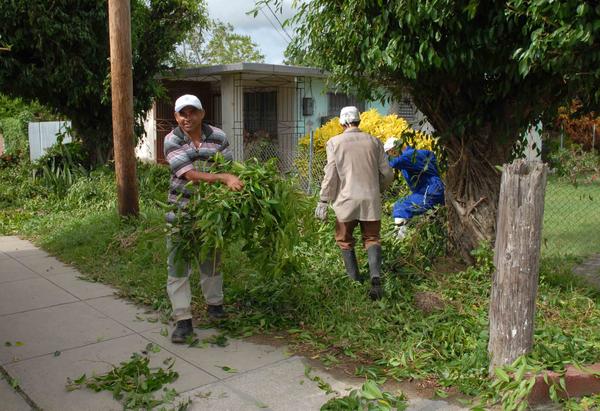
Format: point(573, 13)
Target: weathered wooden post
point(517, 256)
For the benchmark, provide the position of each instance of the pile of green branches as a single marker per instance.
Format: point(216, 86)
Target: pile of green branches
point(266, 217)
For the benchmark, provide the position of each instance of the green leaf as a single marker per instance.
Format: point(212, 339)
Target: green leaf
point(501, 374)
point(371, 391)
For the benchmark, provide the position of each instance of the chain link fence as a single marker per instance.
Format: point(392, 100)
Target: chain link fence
point(571, 214)
point(302, 163)
point(571, 217)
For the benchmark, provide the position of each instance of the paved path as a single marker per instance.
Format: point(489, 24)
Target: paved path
point(54, 325)
point(589, 270)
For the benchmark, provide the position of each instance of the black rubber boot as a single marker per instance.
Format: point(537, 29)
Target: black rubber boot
point(216, 312)
point(376, 291)
point(374, 253)
point(351, 264)
point(182, 331)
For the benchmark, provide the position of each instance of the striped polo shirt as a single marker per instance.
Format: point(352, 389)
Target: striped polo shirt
point(183, 156)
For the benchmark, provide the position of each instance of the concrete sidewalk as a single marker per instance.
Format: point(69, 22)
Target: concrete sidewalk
point(54, 325)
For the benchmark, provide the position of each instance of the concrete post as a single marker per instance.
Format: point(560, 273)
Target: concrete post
point(232, 113)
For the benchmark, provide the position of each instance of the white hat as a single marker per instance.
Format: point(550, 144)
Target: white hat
point(349, 115)
point(187, 100)
point(389, 144)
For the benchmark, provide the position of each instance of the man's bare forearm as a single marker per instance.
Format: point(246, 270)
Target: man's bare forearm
point(198, 176)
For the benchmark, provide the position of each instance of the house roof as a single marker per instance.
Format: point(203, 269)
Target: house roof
point(250, 68)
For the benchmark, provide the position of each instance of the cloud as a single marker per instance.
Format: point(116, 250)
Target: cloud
point(264, 30)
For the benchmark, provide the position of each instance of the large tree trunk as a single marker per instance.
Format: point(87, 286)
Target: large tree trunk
point(472, 190)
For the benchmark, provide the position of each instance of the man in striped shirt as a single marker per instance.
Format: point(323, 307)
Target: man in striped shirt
point(189, 150)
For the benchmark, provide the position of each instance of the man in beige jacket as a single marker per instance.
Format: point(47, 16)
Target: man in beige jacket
point(356, 173)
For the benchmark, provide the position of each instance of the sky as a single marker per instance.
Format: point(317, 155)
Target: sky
point(272, 41)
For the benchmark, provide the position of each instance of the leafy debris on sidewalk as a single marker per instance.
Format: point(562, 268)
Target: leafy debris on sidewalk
point(133, 382)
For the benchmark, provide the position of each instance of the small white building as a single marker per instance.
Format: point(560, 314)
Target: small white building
point(256, 103)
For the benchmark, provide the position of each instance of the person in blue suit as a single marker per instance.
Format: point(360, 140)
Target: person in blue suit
point(420, 170)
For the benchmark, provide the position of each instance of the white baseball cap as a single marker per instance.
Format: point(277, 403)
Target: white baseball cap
point(187, 100)
point(389, 144)
point(349, 115)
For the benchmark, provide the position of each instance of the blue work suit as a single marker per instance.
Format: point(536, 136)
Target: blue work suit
point(420, 170)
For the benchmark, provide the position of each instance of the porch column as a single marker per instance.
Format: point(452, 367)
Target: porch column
point(232, 113)
point(287, 118)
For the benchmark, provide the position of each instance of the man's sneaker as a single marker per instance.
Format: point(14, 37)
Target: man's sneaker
point(182, 331)
point(376, 292)
point(216, 312)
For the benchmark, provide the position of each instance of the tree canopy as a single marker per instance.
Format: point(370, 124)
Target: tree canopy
point(480, 70)
point(218, 44)
point(59, 55)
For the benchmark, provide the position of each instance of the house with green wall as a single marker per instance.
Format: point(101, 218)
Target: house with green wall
point(257, 105)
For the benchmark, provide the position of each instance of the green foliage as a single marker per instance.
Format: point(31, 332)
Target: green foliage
point(63, 155)
point(60, 167)
point(8, 160)
point(96, 191)
point(587, 403)
point(513, 384)
point(58, 179)
point(12, 107)
point(133, 382)
point(484, 257)
point(480, 71)
point(368, 398)
point(425, 241)
point(70, 74)
point(14, 132)
point(220, 44)
point(260, 215)
point(492, 58)
point(561, 39)
point(312, 300)
point(574, 164)
point(153, 182)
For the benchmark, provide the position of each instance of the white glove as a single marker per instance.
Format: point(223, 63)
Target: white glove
point(401, 232)
point(401, 227)
point(321, 211)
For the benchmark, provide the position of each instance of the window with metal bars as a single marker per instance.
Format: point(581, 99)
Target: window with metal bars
point(260, 115)
point(337, 101)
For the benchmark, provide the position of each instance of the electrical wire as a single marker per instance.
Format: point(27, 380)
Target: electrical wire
point(278, 21)
point(272, 25)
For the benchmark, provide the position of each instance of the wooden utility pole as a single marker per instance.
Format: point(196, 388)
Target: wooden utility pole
point(121, 80)
point(517, 258)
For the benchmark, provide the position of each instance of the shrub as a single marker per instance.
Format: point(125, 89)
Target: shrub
point(8, 160)
point(153, 182)
point(60, 167)
point(380, 126)
point(14, 131)
point(575, 163)
point(579, 126)
point(63, 155)
point(94, 192)
point(12, 107)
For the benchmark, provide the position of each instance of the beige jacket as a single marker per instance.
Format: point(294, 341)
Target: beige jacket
point(356, 173)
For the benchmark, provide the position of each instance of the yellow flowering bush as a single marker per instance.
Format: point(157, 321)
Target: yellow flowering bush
point(380, 126)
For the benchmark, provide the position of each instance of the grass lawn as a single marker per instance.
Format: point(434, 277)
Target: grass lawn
point(571, 218)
